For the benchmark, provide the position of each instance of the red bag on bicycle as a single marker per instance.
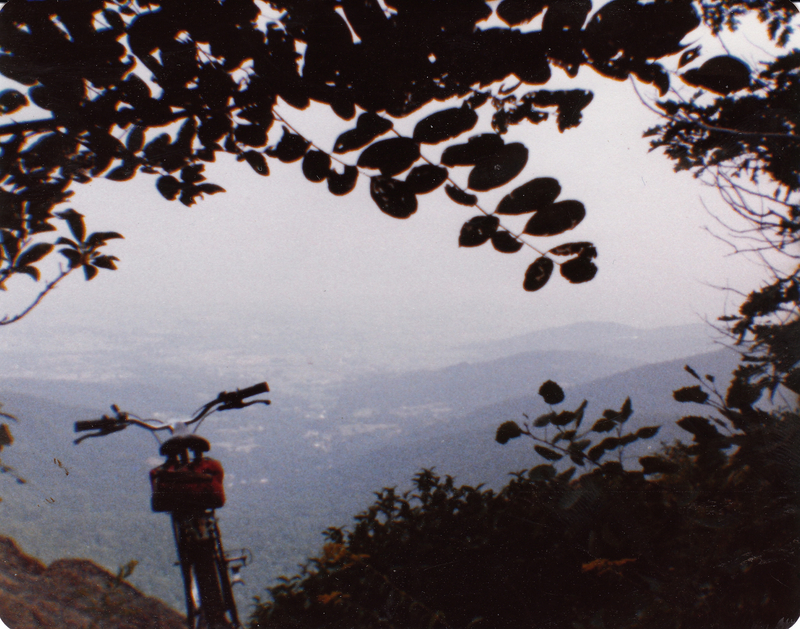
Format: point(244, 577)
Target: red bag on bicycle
point(196, 486)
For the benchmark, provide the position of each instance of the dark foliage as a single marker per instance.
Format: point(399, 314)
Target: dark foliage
point(221, 78)
point(704, 534)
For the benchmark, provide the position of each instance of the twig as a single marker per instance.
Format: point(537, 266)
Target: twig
point(8, 320)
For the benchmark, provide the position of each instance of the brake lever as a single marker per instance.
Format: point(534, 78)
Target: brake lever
point(236, 404)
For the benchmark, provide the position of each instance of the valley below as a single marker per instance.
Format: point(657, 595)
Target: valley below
point(340, 427)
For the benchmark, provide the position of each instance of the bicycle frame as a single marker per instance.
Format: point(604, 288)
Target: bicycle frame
point(205, 571)
point(204, 567)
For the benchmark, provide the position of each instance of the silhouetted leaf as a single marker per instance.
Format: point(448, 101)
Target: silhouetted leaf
point(564, 417)
point(578, 270)
point(609, 443)
point(393, 197)
point(691, 371)
point(134, 90)
point(477, 148)
point(290, 148)
point(566, 15)
point(75, 223)
point(504, 242)
point(192, 174)
point(556, 219)
point(97, 239)
point(425, 178)
point(32, 271)
point(584, 249)
point(722, 75)
point(604, 425)
point(257, 162)
point(507, 431)
point(565, 476)
point(530, 197)
point(655, 74)
point(210, 188)
point(251, 134)
point(595, 453)
point(105, 262)
point(368, 127)
point(498, 169)
point(89, 272)
point(124, 172)
point(742, 394)
point(72, 256)
point(135, 139)
point(626, 411)
point(515, 12)
point(689, 56)
point(690, 394)
point(576, 457)
point(581, 444)
point(187, 195)
point(547, 453)
point(341, 184)
point(168, 186)
point(537, 274)
point(444, 125)
point(657, 465)
point(11, 101)
point(157, 148)
point(579, 413)
point(477, 231)
point(316, 166)
point(647, 432)
point(551, 393)
point(391, 156)
point(459, 196)
point(34, 253)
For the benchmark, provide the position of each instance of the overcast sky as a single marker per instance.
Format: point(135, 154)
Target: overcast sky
point(283, 253)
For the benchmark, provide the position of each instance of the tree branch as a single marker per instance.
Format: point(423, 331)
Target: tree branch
point(745, 134)
point(8, 320)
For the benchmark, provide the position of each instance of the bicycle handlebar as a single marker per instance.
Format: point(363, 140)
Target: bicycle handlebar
point(95, 424)
point(256, 389)
point(225, 401)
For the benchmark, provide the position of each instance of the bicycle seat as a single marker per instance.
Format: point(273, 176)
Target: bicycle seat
point(175, 445)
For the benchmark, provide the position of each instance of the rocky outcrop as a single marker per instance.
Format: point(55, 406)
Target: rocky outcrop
point(73, 594)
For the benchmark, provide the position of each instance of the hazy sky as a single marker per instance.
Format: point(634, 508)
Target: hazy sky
point(282, 253)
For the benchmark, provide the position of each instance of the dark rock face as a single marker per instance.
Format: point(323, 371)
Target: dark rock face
point(73, 594)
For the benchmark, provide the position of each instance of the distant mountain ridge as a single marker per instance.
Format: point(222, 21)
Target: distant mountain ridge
point(611, 339)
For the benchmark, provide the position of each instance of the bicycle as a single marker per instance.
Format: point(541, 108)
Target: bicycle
point(190, 488)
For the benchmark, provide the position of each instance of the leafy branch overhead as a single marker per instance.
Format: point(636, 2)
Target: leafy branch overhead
point(163, 87)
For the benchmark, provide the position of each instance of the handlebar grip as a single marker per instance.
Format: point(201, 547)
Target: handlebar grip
point(256, 389)
point(95, 424)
